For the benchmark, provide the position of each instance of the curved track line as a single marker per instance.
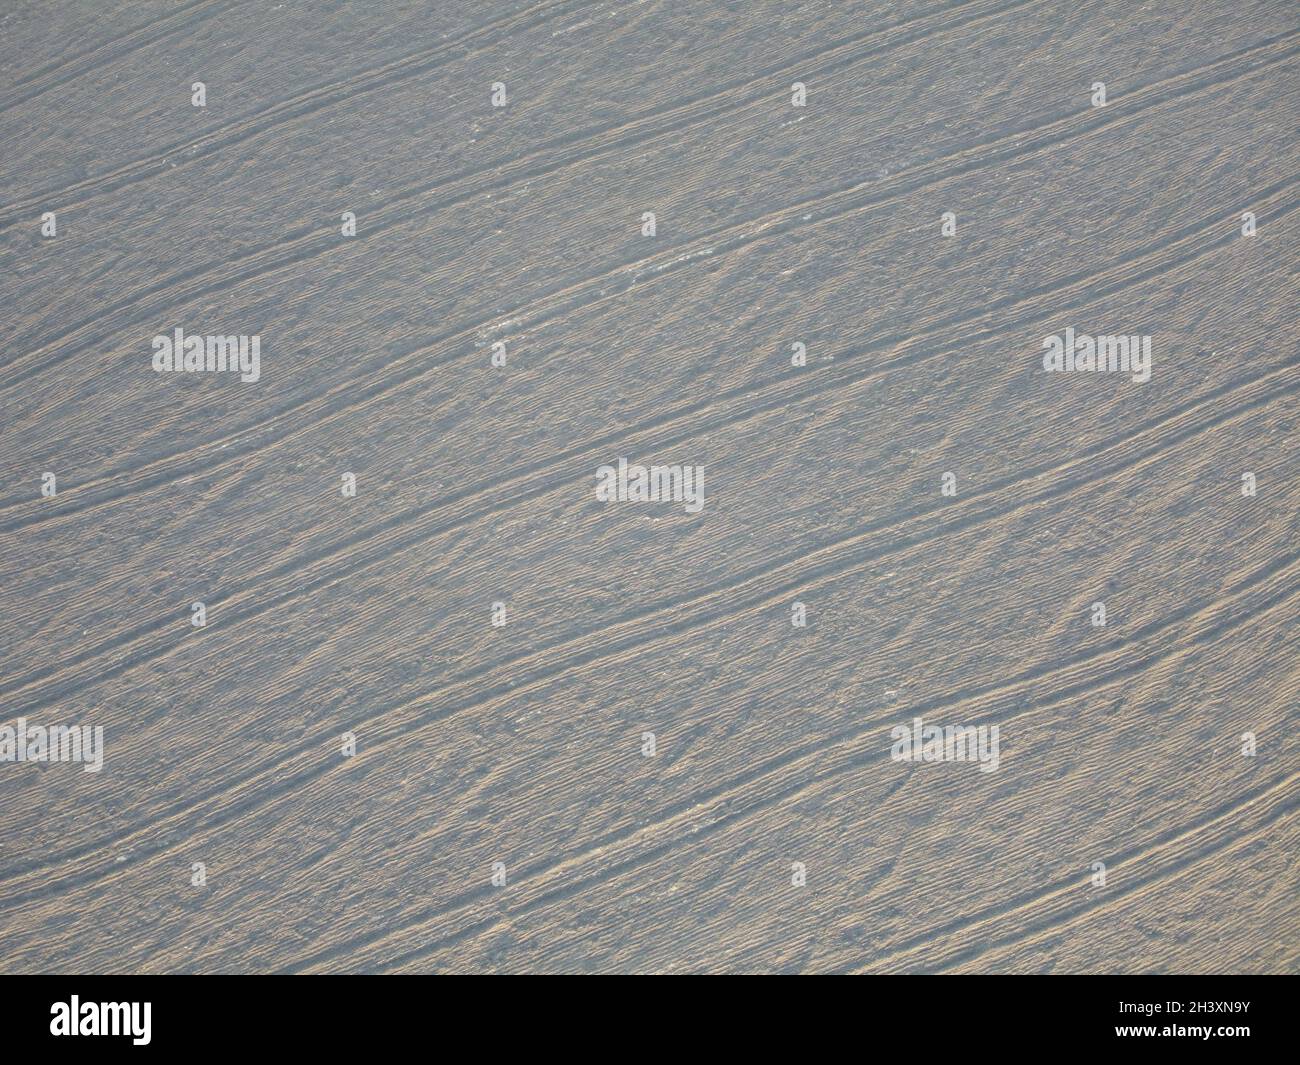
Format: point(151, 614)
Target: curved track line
point(50, 75)
point(346, 90)
point(304, 103)
point(287, 784)
point(723, 798)
point(1063, 892)
point(243, 442)
point(313, 239)
point(1013, 145)
point(545, 482)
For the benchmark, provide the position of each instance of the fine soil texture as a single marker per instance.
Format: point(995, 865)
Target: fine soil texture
point(392, 665)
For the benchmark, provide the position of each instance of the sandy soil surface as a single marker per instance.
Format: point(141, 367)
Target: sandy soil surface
point(501, 812)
